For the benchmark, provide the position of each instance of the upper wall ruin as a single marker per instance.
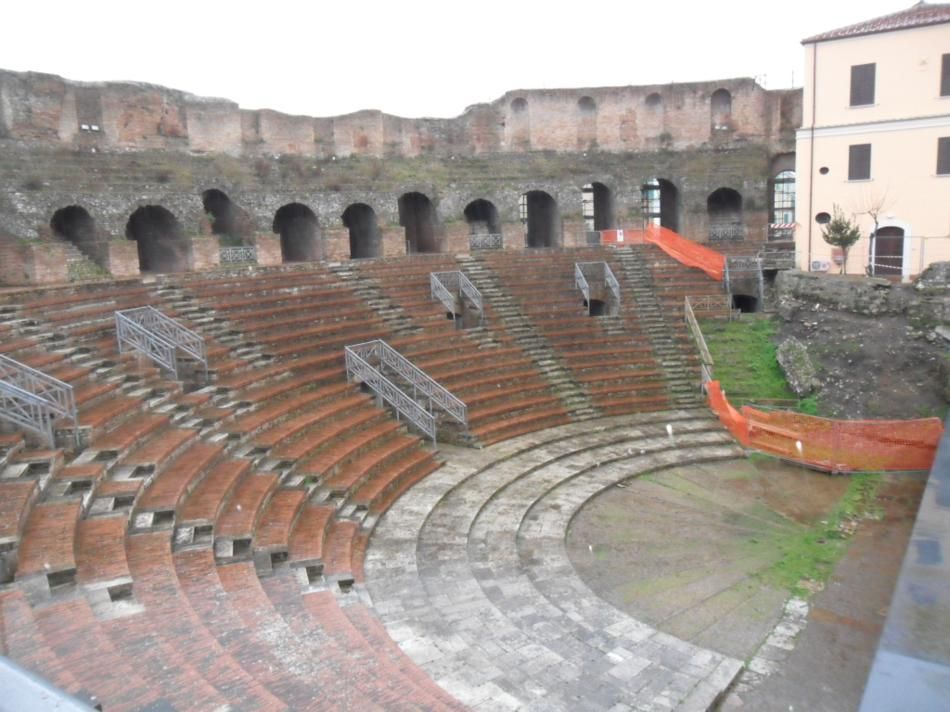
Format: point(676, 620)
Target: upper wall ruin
point(47, 109)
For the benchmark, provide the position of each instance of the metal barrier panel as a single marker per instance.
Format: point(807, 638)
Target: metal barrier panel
point(238, 254)
point(486, 241)
point(447, 286)
point(587, 273)
point(439, 290)
point(359, 369)
point(580, 281)
point(158, 336)
point(33, 399)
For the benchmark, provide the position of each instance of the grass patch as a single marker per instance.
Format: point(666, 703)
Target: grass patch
point(743, 352)
point(808, 557)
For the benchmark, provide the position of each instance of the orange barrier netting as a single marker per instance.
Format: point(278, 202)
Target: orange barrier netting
point(691, 254)
point(831, 445)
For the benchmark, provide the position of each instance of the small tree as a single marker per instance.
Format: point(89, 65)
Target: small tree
point(841, 232)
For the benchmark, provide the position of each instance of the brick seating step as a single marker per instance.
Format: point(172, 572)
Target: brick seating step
point(306, 538)
point(276, 410)
point(204, 504)
point(180, 627)
point(240, 516)
point(408, 468)
point(100, 550)
point(285, 431)
point(275, 525)
point(364, 465)
point(48, 545)
point(133, 431)
point(334, 453)
point(166, 491)
point(16, 499)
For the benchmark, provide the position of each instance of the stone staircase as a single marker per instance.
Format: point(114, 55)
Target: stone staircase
point(637, 280)
point(79, 266)
point(368, 289)
point(503, 308)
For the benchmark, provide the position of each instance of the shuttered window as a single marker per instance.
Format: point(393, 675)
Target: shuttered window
point(945, 76)
point(859, 162)
point(862, 84)
point(943, 156)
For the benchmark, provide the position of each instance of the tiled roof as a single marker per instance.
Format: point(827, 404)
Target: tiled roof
point(917, 15)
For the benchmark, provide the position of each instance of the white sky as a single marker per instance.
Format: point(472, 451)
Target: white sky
point(414, 57)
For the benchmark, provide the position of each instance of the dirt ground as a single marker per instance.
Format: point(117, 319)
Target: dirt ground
point(871, 367)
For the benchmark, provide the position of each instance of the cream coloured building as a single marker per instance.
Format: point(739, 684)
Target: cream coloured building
point(875, 140)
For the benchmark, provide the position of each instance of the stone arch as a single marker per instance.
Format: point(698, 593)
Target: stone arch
point(365, 240)
point(299, 231)
point(417, 216)
point(720, 107)
point(724, 210)
point(654, 101)
point(541, 218)
point(661, 203)
point(586, 105)
point(519, 105)
point(228, 221)
point(74, 224)
point(162, 245)
point(482, 218)
point(597, 207)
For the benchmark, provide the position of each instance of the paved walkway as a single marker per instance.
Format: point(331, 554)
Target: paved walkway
point(470, 574)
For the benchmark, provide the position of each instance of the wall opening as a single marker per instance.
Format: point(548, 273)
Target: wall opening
point(365, 240)
point(597, 207)
point(482, 218)
point(161, 241)
point(745, 303)
point(654, 101)
point(231, 224)
point(724, 210)
point(299, 233)
point(539, 214)
point(720, 106)
point(597, 307)
point(417, 216)
point(74, 224)
point(660, 204)
point(889, 252)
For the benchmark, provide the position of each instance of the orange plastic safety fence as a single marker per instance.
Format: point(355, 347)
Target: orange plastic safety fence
point(684, 250)
point(832, 445)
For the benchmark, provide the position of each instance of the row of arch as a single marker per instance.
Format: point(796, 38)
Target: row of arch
point(162, 245)
point(720, 106)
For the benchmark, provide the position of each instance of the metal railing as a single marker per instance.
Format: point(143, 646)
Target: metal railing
point(34, 400)
point(486, 241)
point(361, 364)
point(705, 358)
point(712, 302)
point(727, 233)
point(447, 286)
point(159, 337)
point(599, 273)
point(238, 254)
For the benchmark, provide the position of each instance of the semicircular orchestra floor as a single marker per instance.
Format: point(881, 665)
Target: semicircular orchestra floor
point(471, 575)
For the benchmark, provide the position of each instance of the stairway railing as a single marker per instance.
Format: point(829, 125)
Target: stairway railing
point(34, 400)
point(706, 360)
point(598, 273)
point(361, 360)
point(446, 287)
point(159, 337)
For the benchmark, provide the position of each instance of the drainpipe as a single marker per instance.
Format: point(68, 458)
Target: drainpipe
point(811, 150)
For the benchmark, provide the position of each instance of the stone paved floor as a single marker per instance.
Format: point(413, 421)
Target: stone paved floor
point(470, 574)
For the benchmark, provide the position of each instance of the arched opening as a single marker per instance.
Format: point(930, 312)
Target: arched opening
point(541, 219)
point(660, 204)
point(299, 233)
point(75, 225)
point(781, 224)
point(228, 221)
point(482, 218)
point(162, 246)
point(721, 109)
point(519, 105)
point(888, 258)
point(597, 207)
point(365, 241)
point(654, 101)
point(724, 208)
point(417, 216)
point(586, 105)
point(745, 303)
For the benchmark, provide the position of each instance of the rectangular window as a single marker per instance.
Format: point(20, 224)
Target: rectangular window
point(859, 161)
point(945, 76)
point(943, 156)
point(862, 84)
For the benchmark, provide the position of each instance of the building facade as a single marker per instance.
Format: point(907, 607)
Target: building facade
point(875, 143)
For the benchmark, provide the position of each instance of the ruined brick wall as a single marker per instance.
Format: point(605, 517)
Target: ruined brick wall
point(48, 109)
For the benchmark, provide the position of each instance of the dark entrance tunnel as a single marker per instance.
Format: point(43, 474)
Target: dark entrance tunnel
point(542, 221)
point(365, 240)
point(299, 233)
point(162, 246)
point(482, 218)
point(417, 216)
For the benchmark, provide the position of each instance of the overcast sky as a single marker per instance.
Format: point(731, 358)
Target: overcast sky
point(414, 58)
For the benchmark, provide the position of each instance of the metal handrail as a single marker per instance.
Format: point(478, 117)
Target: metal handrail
point(359, 369)
point(420, 381)
point(486, 241)
point(33, 399)
point(603, 274)
point(159, 337)
point(234, 254)
point(706, 360)
point(447, 286)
